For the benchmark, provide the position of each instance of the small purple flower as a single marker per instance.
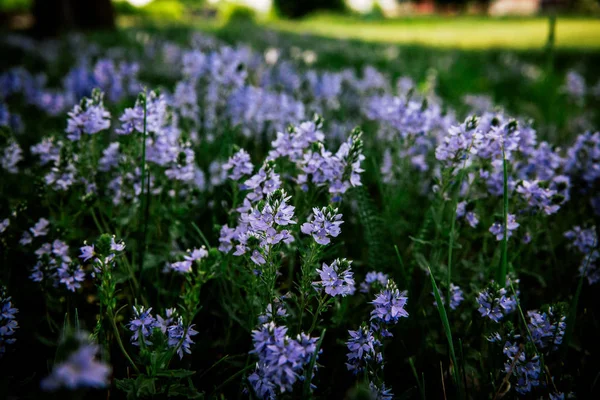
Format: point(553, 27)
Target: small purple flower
point(322, 224)
point(142, 324)
point(382, 393)
point(525, 368)
point(79, 370)
point(87, 252)
point(389, 305)
point(281, 359)
point(373, 278)
point(40, 228)
point(494, 304)
point(71, 275)
point(89, 117)
point(547, 329)
point(497, 228)
point(268, 315)
point(336, 279)
point(8, 322)
point(180, 337)
point(183, 267)
point(4, 224)
point(239, 165)
point(362, 347)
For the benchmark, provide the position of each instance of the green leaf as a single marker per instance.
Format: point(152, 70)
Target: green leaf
point(447, 331)
point(306, 394)
point(176, 373)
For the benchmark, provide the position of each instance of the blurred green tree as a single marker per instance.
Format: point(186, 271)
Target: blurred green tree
point(55, 16)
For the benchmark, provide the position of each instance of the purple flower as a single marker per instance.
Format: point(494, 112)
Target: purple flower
point(494, 304)
point(87, 252)
point(142, 324)
point(336, 279)
point(71, 275)
point(89, 117)
point(281, 359)
point(322, 224)
point(362, 347)
point(470, 216)
point(461, 143)
point(4, 224)
point(79, 370)
point(525, 368)
point(382, 393)
point(110, 157)
point(164, 323)
point(389, 305)
point(373, 278)
point(497, 228)
point(547, 329)
point(239, 165)
point(196, 254)
point(268, 315)
point(40, 228)
point(11, 156)
point(180, 337)
point(8, 322)
point(183, 267)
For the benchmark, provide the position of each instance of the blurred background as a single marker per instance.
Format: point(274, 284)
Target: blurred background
point(449, 23)
point(523, 55)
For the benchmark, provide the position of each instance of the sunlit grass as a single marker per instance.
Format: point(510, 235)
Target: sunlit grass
point(458, 32)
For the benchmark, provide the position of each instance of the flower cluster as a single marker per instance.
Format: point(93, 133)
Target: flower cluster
point(185, 266)
point(365, 344)
point(8, 322)
point(389, 305)
point(262, 225)
point(586, 242)
point(281, 359)
point(547, 328)
point(374, 279)
point(144, 325)
point(89, 117)
point(323, 224)
point(525, 367)
point(495, 304)
point(80, 369)
point(336, 279)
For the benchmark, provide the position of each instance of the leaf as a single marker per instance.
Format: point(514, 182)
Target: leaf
point(189, 392)
point(447, 331)
point(176, 373)
point(306, 394)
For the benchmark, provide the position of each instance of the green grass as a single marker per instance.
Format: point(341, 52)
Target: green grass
point(456, 32)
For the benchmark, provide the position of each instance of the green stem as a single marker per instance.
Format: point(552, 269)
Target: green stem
point(119, 342)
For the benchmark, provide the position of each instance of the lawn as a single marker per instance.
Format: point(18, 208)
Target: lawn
point(458, 32)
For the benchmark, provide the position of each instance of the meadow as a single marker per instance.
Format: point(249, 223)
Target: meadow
point(334, 208)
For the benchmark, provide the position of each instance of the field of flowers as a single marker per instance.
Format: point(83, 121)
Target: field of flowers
point(184, 215)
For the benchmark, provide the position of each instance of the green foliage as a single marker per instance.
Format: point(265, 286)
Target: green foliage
point(239, 14)
point(15, 5)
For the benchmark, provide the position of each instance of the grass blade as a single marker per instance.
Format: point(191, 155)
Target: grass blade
point(447, 331)
point(306, 394)
point(414, 370)
point(573, 308)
